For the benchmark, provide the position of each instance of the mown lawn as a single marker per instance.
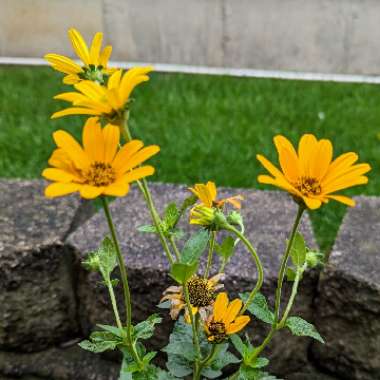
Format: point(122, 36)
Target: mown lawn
point(208, 127)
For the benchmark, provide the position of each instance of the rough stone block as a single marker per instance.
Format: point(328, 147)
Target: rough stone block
point(348, 313)
point(32, 28)
point(268, 218)
point(57, 364)
point(38, 304)
point(166, 31)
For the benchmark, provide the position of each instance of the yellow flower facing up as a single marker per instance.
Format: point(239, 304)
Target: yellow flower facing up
point(100, 167)
point(311, 175)
point(225, 319)
point(207, 194)
point(94, 61)
point(109, 101)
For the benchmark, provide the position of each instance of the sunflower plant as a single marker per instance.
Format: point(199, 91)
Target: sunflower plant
point(210, 338)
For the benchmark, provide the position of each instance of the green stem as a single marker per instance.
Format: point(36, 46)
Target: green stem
point(209, 256)
point(194, 323)
point(279, 325)
point(114, 306)
point(143, 186)
point(124, 280)
point(284, 262)
point(175, 248)
point(289, 306)
point(260, 271)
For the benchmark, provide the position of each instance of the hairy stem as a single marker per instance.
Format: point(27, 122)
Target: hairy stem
point(210, 253)
point(260, 271)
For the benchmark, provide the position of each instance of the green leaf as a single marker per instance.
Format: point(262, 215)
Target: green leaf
point(111, 329)
point(298, 250)
point(149, 356)
point(259, 363)
point(259, 308)
point(145, 329)
point(300, 327)
point(164, 305)
point(194, 247)
point(147, 229)
point(290, 274)
point(171, 215)
point(238, 344)
point(179, 366)
point(247, 373)
point(226, 249)
point(97, 347)
point(181, 272)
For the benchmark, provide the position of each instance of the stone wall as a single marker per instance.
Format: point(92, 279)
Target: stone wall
point(49, 303)
point(326, 36)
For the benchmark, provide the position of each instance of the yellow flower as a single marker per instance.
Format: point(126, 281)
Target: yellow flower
point(207, 194)
point(108, 101)
point(201, 295)
point(94, 61)
point(202, 215)
point(225, 319)
point(310, 174)
point(100, 167)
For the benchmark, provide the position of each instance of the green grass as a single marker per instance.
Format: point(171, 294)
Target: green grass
point(208, 127)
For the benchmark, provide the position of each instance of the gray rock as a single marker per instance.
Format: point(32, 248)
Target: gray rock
point(38, 304)
point(268, 218)
point(57, 364)
point(348, 313)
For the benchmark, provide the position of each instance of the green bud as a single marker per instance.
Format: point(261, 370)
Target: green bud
point(92, 263)
point(235, 218)
point(314, 258)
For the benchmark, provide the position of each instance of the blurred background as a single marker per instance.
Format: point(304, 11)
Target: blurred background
point(210, 127)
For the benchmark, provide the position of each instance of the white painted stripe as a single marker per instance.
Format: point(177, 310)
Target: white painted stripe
point(173, 68)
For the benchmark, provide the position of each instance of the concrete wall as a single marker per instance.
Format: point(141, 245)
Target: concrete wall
point(327, 36)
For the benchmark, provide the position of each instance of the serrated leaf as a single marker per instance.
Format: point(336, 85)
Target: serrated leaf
point(97, 347)
point(111, 329)
point(298, 250)
point(147, 229)
point(210, 373)
point(226, 249)
point(145, 329)
point(259, 308)
point(171, 215)
point(259, 363)
point(247, 373)
point(181, 272)
point(194, 247)
point(300, 327)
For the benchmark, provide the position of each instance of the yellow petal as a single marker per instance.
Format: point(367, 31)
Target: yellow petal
point(111, 136)
point(65, 141)
point(238, 324)
point(220, 306)
point(138, 158)
point(288, 158)
point(92, 90)
point(95, 48)
point(345, 183)
point(232, 311)
point(58, 175)
point(60, 189)
point(321, 159)
point(306, 146)
point(63, 64)
point(70, 97)
point(342, 199)
point(90, 192)
point(114, 79)
point(117, 189)
point(71, 79)
point(312, 203)
point(105, 56)
point(141, 172)
point(79, 46)
point(341, 163)
point(75, 111)
point(125, 153)
point(93, 141)
point(269, 166)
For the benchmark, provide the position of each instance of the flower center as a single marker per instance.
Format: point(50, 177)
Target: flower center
point(200, 292)
point(99, 174)
point(217, 331)
point(308, 185)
